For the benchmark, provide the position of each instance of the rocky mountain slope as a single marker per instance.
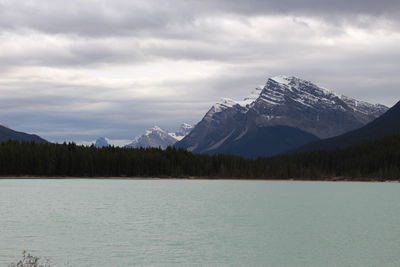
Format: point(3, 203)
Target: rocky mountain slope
point(387, 124)
point(305, 109)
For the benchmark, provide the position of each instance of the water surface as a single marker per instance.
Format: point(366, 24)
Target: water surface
point(200, 222)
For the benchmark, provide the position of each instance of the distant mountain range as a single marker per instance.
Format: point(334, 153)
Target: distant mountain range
point(286, 113)
point(152, 137)
point(158, 137)
point(387, 124)
point(9, 134)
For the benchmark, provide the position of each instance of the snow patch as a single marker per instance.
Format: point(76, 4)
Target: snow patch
point(154, 129)
point(282, 79)
point(255, 94)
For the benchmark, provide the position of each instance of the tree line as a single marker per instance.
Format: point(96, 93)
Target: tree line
point(379, 159)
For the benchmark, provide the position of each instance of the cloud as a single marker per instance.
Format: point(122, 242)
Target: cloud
point(83, 69)
point(341, 7)
point(97, 18)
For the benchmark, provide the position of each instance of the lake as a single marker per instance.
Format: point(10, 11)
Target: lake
point(95, 222)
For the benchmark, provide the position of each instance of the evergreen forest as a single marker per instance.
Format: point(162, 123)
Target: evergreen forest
point(375, 160)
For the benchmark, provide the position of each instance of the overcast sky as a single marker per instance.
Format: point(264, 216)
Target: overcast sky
point(77, 70)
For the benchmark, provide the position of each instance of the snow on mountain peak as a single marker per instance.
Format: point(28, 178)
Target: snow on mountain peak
point(158, 137)
point(283, 88)
point(252, 97)
point(294, 83)
point(183, 130)
point(274, 93)
point(283, 79)
point(226, 103)
point(102, 142)
point(153, 137)
point(285, 101)
point(154, 129)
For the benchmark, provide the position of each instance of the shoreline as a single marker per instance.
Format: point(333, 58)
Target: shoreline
point(333, 179)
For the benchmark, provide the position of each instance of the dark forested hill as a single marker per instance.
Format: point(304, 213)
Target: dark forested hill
point(387, 124)
point(9, 134)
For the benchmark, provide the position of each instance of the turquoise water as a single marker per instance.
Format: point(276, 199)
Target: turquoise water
point(202, 222)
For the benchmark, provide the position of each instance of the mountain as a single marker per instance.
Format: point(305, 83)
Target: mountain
point(157, 137)
point(266, 141)
point(387, 124)
point(183, 130)
point(153, 137)
point(307, 111)
point(102, 142)
point(9, 134)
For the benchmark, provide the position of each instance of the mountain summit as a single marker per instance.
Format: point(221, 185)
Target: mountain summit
point(157, 137)
point(183, 130)
point(102, 142)
point(286, 113)
point(153, 137)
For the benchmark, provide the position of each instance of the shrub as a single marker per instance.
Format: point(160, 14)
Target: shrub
point(29, 260)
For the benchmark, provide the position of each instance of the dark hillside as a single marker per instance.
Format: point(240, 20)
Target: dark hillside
point(7, 134)
point(387, 124)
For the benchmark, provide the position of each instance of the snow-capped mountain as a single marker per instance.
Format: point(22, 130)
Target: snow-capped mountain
point(153, 137)
point(102, 142)
point(157, 137)
point(288, 110)
point(183, 130)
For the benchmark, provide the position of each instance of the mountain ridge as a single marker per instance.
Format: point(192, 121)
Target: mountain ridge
point(283, 101)
point(158, 137)
point(7, 134)
point(385, 125)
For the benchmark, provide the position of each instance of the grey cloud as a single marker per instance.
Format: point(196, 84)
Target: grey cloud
point(309, 6)
point(79, 117)
point(309, 39)
point(76, 52)
point(104, 32)
point(135, 18)
point(89, 18)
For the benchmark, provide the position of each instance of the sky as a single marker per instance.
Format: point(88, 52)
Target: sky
point(76, 70)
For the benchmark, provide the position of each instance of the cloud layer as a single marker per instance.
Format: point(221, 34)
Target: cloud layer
point(76, 70)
